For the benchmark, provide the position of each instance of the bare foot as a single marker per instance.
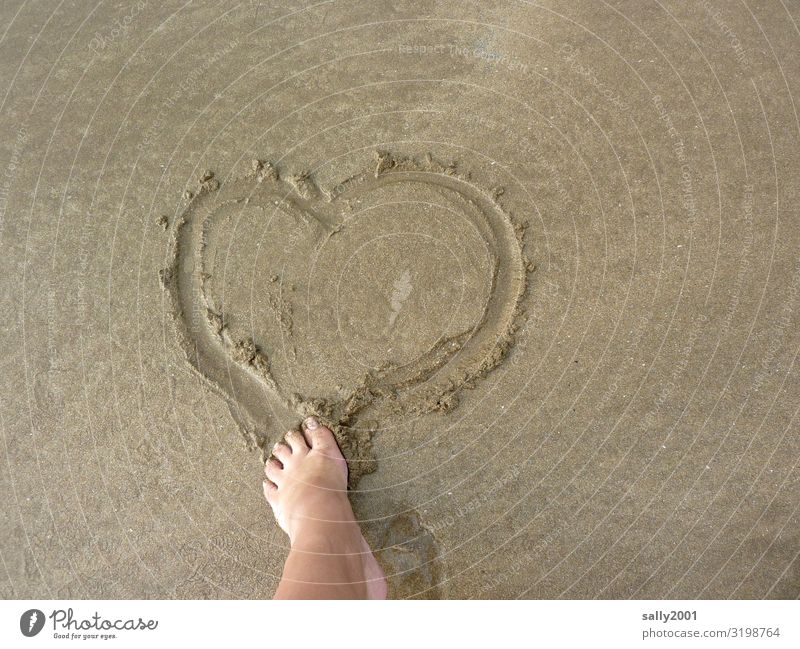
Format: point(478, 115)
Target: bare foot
point(306, 487)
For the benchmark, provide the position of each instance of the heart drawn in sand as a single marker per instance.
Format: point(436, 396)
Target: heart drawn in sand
point(384, 296)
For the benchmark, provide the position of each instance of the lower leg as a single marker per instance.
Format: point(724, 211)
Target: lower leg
point(306, 487)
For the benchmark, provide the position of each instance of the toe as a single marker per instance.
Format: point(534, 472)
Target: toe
point(270, 491)
point(297, 442)
point(282, 452)
point(318, 436)
point(274, 471)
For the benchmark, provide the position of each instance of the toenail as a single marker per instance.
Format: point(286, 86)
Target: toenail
point(311, 423)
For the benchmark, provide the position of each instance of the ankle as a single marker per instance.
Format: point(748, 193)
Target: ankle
point(337, 533)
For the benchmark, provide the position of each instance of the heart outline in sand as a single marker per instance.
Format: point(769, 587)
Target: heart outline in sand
point(238, 368)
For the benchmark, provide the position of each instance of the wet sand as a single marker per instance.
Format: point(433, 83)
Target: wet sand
point(536, 265)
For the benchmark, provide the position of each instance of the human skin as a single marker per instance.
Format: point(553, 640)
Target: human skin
point(306, 487)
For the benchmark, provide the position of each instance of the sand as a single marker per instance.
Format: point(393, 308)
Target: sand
point(536, 265)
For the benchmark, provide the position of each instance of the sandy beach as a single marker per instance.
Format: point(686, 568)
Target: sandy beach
point(536, 265)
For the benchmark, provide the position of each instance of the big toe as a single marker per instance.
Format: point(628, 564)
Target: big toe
point(318, 436)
